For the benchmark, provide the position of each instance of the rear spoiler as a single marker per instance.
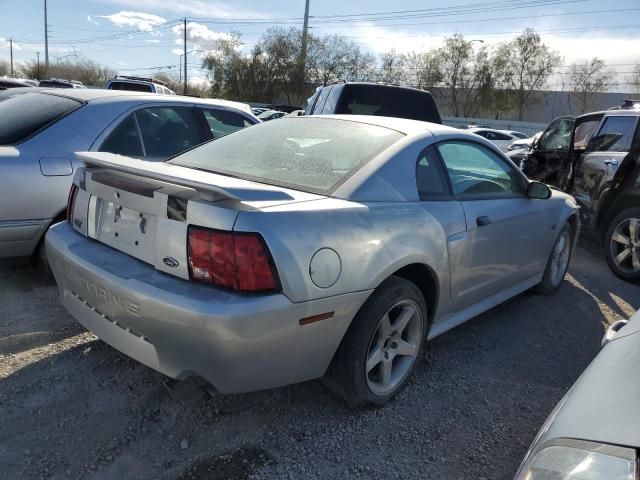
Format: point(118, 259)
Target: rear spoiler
point(211, 184)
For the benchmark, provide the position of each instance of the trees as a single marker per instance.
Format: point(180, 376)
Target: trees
point(4, 68)
point(333, 58)
point(83, 70)
point(528, 64)
point(454, 66)
point(269, 73)
point(422, 69)
point(589, 78)
point(391, 69)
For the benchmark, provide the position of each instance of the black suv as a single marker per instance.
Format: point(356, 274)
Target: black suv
point(362, 98)
point(596, 158)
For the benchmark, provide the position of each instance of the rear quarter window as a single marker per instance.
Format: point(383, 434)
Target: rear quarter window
point(23, 116)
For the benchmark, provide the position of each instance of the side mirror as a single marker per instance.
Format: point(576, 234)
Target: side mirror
point(538, 191)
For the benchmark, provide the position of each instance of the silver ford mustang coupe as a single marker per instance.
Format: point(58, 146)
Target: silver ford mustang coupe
point(324, 246)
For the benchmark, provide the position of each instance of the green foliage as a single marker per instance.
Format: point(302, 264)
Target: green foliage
point(588, 79)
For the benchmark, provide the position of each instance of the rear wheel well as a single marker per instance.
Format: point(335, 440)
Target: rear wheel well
point(611, 208)
point(425, 279)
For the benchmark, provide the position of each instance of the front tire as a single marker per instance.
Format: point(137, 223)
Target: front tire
point(382, 347)
point(622, 244)
point(558, 262)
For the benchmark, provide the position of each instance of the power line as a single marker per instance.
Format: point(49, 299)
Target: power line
point(492, 19)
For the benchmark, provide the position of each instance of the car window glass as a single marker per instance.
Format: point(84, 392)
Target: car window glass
point(558, 135)
point(124, 139)
point(430, 178)
point(311, 154)
point(317, 109)
point(384, 100)
point(167, 131)
point(332, 100)
point(223, 122)
point(501, 136)
point(130, 86)
point(583, 133)
point(615, 135)
point(477, 171)
point(22, 116)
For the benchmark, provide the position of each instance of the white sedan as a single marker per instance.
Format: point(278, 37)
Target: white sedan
point(501, 138)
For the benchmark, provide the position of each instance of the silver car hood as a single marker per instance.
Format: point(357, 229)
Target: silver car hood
point(604, 404)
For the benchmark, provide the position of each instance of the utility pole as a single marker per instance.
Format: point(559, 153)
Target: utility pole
point(303, 53)
point(46, 38)
point(11, 54)
point(184, 89)
point(38, 63)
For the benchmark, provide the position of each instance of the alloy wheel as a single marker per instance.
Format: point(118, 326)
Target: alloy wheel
point(625, 245)
point(394, 347)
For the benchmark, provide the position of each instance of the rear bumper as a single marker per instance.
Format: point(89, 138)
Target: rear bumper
point(238, 343)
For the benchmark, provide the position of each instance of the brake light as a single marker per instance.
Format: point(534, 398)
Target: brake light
point(71, 202)
point(236, 260)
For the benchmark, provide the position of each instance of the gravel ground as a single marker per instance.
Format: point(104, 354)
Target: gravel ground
point(73, 407)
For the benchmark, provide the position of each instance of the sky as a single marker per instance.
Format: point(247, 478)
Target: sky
point(143, 37)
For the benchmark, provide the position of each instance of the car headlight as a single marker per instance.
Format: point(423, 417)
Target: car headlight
point(579, 460)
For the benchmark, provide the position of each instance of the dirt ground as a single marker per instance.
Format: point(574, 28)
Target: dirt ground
point(74, 408)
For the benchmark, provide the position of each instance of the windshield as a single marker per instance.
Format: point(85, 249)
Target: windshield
point(21, 116)
point(309, 154)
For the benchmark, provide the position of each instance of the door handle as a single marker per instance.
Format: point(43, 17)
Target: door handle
point(482, 221)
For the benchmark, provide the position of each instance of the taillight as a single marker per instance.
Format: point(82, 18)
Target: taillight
point(71, 202)
point(236, 260)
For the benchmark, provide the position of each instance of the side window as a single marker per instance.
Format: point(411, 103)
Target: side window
point(223, 122)
point(615, 135)
point(583, 132)
point(317, 109)
point(477, 171)
point(430, 178)
point(124, 139)
point(332, 100)
point(167, 131)
point(557, 136)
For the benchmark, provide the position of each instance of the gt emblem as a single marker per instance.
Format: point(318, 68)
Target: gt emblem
point(170, 262)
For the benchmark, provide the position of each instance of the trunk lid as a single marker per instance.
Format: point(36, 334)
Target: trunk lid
point(144, 208)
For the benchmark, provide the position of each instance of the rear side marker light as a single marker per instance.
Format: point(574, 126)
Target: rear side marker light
point(235, 260)
point(316, 318)
point(71, 202)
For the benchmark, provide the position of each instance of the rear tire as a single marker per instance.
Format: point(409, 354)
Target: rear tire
point(622, 244)
point(558, 262)
point(382, 347)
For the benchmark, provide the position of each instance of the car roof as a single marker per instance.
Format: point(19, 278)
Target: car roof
point(626, 112)
point(93, 94)
point(402, 125)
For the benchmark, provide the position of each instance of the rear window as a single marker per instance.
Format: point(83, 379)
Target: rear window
point(130, 86)
point(22, 116)
point(53, 84)
point(310, 154)
point(389, 102)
